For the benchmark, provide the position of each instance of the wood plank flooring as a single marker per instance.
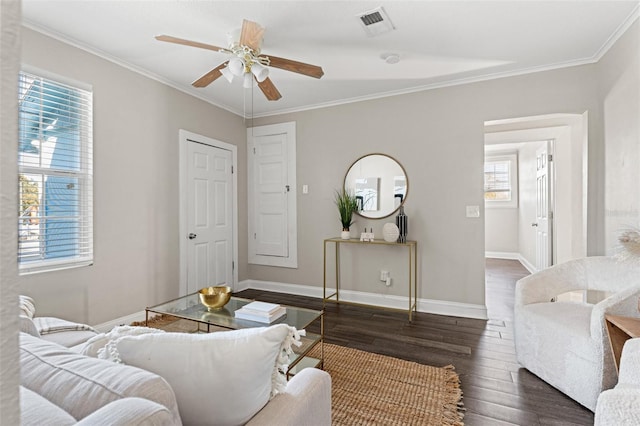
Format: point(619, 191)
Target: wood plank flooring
point(497, 391)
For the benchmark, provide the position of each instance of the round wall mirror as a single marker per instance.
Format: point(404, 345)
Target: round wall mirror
point(379, 183)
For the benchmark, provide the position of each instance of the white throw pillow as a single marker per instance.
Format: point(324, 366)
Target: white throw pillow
point(221, 378)
point(99, 345)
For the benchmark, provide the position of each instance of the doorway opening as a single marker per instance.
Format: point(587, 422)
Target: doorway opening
point(519, 203)
point(551, 153)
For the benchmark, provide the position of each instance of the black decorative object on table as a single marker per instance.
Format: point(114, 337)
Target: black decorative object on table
point(402, 224)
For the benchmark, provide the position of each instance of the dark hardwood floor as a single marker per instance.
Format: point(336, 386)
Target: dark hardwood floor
point(497, 391)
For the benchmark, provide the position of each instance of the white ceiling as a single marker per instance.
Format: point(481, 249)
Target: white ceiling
point(439, 42)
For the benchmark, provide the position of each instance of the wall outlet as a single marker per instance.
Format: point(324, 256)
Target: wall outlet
point(473, 211)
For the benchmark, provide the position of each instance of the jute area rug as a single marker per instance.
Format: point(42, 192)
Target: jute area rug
point(372, 389)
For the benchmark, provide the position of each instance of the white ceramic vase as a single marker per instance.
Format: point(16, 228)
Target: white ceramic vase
point(390, 232)
point(345, 235)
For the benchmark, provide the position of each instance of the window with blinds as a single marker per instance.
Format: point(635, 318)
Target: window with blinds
point(55, 163)
point(500, 180)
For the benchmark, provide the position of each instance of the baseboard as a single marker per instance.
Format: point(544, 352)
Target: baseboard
point(125, 320)
point(278, 287)
point(511, 256)
point(532, 269)
point(440, 307)
point(502, 255)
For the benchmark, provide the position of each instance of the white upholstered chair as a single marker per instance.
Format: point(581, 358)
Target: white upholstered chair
point(566, 343)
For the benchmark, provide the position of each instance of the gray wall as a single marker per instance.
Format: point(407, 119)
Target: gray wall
point(619, 81)
point(433, 134)
point(136, 123)
point(501, 230)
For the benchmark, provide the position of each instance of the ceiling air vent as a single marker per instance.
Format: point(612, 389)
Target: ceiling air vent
point(375, 22)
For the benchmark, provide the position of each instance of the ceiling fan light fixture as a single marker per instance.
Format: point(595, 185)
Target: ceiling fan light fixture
point(236, 66)
point(244, 60)
point(226, 73)
point(261, 72)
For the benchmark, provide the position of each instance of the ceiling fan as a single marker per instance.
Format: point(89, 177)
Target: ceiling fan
point(247, 61)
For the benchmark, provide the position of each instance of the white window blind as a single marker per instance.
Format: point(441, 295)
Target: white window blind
point(501, 180)
point(55, 163)
point(497, 176)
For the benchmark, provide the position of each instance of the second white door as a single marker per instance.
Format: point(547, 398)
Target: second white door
point(543, 223)
point(210, 217)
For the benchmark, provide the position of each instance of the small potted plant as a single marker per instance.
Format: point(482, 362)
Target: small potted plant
point(347, 205)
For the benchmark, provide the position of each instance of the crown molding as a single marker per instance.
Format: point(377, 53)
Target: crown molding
point(107, 57)
point(633, 16)
point(433, 86)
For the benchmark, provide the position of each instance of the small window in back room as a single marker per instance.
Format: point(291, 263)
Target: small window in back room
point(500, 183)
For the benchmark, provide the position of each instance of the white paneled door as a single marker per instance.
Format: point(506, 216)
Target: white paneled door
point(271, 188)
point(543, 223)
point(209, 216)
point(271, 191)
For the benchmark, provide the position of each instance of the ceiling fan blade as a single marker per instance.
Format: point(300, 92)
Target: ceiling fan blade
point(209, 77)
point(177, 40)
point(251, 35)
point(269, 90)
point(295, 66)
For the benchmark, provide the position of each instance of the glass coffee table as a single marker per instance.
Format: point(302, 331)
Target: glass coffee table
point(189, 308)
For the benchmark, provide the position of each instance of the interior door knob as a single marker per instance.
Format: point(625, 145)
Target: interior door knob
point(534, 224)
point(192, 236)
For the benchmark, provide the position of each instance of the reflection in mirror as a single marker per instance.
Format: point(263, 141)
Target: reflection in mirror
point(379, 183)
point(367, 194)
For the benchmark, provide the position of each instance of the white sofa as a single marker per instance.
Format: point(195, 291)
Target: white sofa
point(566, 343)
point(620, 406)
point(61, 386)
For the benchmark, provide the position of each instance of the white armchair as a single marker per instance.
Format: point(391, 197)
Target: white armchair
point(566, 343)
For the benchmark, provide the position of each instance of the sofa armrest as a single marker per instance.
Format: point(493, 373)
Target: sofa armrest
point(546, 284)
point(618, 407)
point(630, 364)
point(305, 401)
point(621, 406)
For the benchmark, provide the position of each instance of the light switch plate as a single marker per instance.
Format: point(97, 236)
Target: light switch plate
point(305, 189)
point(473, 211)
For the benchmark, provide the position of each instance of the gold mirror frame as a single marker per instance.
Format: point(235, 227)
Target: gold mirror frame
point(374, 182)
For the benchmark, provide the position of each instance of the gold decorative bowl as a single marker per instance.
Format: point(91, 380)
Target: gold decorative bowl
point(215, 298)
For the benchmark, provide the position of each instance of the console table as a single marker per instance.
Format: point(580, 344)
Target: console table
point(412, 265)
